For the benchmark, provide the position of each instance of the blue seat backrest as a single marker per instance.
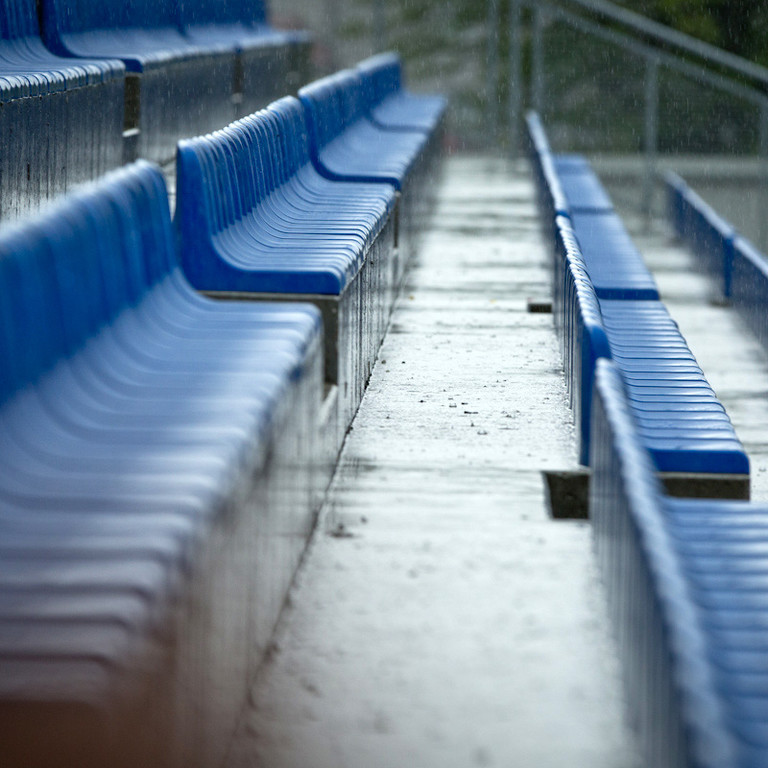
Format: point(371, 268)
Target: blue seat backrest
point(209, 11)
point(381, 77)
point(352, 98)
point(225, 175)
point(706, 233)
point(749, 293)
point(69, 273)
point(333, 104)
point(220, 179)
point(18, 19)
point(676, 203)
point(245, 12)
point(620, 461)
point(581, 331)
point(538, 142)
point(84, 15)
point(249, 11)
point(710, 237)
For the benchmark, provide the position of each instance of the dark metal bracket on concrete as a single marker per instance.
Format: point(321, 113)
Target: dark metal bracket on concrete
point(329, 309)
point(539, 306)
point(568, 494)
point(568, 491)
point(689, 485)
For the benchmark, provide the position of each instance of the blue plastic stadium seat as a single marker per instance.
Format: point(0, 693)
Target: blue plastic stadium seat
point(615, 265)
point(681, 421)
point(583, 191)
point(685, 581)
point(390, 105)
point(571, 197)
point(157, 486)
point(606, 305)
point(255, 217)
point(183, 86)
point(144, 34)
point(61, 121)
point(346, 145)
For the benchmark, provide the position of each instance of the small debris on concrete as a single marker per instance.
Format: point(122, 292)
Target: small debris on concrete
point(341, 532)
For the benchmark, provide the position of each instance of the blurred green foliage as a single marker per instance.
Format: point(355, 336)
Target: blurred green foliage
point(738, 26)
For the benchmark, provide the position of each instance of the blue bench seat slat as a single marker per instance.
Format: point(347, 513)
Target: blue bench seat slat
point(582, 189)
point(614, 264)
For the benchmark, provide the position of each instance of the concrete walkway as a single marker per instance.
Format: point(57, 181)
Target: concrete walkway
point(441, 618)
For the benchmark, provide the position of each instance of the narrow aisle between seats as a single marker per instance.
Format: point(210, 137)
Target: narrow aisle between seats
point(440, 617)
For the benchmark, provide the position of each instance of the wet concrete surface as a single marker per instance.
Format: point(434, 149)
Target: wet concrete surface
point(441, 617)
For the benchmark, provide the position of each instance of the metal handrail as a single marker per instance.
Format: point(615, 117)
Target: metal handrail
point(669, 60)
point(670, 37)
point(655, 44)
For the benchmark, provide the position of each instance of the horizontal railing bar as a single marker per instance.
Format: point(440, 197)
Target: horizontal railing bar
point(689, 69)
point(663, 34)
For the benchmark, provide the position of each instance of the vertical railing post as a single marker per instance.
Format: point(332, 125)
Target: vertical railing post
point(650, 135)
point(763, 181)
point(379, 42)
point(515, 77)
point(492, 72)
point(537, 58)
point(332, 22)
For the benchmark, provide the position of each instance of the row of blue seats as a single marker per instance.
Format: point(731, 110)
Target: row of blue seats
point(685, 580)
point(158, 478)
point(567, 186)
point(355, 133)
point(739, 270)
point(264, 209)
point(61, 121)
point(709, 236)
point(165, 452)
point(187, 58)
point(165, 69)
point(606, 305)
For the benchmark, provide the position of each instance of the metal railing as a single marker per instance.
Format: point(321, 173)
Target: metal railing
point(657, 50)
